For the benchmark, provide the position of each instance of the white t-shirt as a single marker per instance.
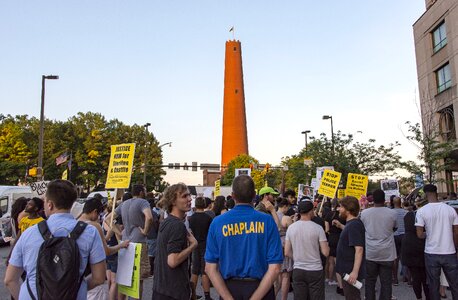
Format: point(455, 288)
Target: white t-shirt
point(438, 220)
point(305, 238)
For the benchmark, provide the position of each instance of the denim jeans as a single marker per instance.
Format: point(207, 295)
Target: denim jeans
point(433, 265)
point(382, 269)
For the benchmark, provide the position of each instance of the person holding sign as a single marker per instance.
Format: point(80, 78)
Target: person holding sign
point(174, 246)
point(137, 220)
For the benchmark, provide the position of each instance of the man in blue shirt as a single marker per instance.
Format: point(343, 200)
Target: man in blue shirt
point(244, 252)
point(59, 199)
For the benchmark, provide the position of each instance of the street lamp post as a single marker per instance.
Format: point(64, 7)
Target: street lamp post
point(326, 117)
point(305, 132)
point(146, 147)
point(42, 121)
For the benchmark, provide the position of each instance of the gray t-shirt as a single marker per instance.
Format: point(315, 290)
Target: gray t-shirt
point(380, 223)
point(305, 238)
point(133, 217)
point(400, 212)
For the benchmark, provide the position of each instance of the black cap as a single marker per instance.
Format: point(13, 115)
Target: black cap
point(304, 207)
point(430, 188)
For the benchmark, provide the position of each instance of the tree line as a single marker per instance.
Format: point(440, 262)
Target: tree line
point(87, 136)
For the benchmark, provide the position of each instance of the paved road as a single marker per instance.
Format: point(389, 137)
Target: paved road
point(402, 292)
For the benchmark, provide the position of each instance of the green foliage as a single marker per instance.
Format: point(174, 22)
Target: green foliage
point(434, 152)
point(88, 136)
point(240, 162)
point(349, 156)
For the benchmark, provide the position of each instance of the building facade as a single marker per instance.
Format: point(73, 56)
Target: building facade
point(436, 49)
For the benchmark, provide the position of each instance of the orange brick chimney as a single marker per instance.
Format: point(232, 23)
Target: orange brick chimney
point(235, 138)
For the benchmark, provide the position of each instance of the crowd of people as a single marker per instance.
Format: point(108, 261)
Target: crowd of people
point(249, 245)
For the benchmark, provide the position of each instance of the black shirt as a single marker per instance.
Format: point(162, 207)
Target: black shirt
point(334, 215)
point(172, 238)
point(354, 234)
point(199, 223)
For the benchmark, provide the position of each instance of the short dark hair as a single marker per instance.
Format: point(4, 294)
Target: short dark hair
point(62, 193)
point(92, 204)
point(282, 202)
point(127, 196)
point(230, 203)
point(137, 189)
point(430, 188)
point(38, 203)
point(200, 203)
point(208, 202)
point(379, 196)
point(350, 204)
point(289, 192)
point(243, 189)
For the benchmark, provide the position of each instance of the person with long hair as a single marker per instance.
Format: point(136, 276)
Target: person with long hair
point(219, 207)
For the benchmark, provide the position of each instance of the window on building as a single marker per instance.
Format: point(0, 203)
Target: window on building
point(439, 37)
point(447, 123)
point(443, 78)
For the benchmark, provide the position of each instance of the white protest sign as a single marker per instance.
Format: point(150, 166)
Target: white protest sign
point(126, 259)
point(319, 173)
point(245, 171)
point(39, 188)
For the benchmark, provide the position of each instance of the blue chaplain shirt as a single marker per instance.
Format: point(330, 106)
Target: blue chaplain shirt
point(243, 242)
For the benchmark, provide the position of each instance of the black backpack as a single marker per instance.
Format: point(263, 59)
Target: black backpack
point(58, 264)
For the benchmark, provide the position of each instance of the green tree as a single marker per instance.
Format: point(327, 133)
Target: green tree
point(87, 136)
point(349, 156)
point(434, 151)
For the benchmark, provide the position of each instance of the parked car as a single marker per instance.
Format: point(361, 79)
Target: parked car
point(8, 195)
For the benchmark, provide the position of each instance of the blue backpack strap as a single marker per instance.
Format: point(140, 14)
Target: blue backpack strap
point(44, 230)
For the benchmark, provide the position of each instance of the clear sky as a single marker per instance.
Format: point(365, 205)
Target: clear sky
point(163, 62)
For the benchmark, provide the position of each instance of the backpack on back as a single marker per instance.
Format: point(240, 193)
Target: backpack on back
point(58, 264)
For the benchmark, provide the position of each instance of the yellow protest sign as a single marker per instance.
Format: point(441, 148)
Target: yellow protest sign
point(217, 188)
point(133, 290)
point(33, 172)
point(340, 193)
point(65, 175)
point(120, 167)
point(357, 185)
point(329, 183)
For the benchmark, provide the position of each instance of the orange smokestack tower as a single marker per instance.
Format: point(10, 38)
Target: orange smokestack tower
point(235, 138)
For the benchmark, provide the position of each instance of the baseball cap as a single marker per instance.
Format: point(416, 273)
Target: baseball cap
point(267, 190)
point(304, 207)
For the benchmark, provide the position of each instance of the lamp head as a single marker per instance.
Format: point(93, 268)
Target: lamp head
point(327, 117)
point(147, 124)
point(51, 76)
point(305, 132)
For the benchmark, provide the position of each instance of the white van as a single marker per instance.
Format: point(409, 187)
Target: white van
point(8, 195)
